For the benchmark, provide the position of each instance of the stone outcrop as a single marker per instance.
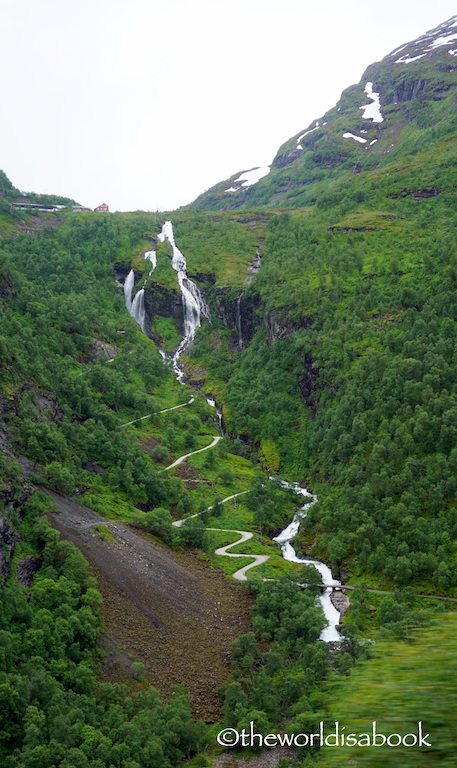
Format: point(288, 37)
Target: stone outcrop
point(235, 309)
point(8, 541)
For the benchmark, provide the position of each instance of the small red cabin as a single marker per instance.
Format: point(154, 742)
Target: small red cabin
point(103, 207)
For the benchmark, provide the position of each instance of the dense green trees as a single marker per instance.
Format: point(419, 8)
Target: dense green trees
point(349, 382)
point(59, 299)
point(353, 384)
point(275, 684)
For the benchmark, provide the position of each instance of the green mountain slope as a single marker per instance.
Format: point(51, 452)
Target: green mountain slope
point(406, 136)
point(331, 349)
point(349, 377)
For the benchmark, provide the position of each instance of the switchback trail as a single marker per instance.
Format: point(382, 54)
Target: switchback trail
point(192, 453)
point(240, 574)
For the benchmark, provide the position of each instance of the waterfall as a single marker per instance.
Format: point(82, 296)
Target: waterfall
point(212, 403)
point(135, 306)
point(193, 303)
point(330, 632)
point(152, 257)
point(138, 311)
point(128, 288)
point(238, 320)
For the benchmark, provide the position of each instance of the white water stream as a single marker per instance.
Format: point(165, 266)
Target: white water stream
point(128, 288)
point(212, 403)
point(330, 632)
point(193, 302)
point(138, 310)
point(135, 306)
point(152, 257)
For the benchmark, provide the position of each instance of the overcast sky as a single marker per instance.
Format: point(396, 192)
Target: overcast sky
point(144, 104)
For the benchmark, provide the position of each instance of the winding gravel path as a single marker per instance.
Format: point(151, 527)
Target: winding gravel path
point(164, 410)
point(240, 574)
point(186, 455)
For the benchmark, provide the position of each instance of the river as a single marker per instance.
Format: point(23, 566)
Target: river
point(330, 633)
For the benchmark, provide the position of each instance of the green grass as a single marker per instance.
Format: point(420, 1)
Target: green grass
point(106, 502)
point(273, 567)
point(164, 329)
point(403, 685)
point(104, 533)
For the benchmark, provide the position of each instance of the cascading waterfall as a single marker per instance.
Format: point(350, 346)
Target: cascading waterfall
point(128, 288)
point(193, 303)
point(212, 403)
point(330, 632)
point(152, 257)
point(138, 310)
point(195, 306)
point(135, 306)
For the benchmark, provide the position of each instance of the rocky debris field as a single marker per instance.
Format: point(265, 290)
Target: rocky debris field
point(171, 610)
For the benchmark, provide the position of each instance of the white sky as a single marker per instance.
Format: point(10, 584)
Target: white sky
point(144, 104)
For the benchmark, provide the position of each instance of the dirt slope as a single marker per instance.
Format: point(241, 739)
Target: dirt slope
point(172, 610)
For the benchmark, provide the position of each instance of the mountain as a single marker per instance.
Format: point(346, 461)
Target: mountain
point(318, 331)
point(402, 108)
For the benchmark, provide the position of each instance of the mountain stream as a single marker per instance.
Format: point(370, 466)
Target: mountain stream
point(194, 307)
point(193, 302)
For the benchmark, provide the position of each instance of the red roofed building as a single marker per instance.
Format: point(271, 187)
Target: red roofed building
point(103, 207)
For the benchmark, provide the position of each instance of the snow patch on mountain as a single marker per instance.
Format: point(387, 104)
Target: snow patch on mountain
point(397, 50)
point(444, 34)
point(372, 111)
point(248, 178)
point(409, 59)
point(306, 133)
point(356, 138)
point(443, 41)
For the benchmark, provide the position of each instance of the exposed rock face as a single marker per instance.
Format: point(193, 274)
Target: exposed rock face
point(15, 489)
point(281, 327)
point(8, 541)
point(341, 601)
point(26, 569)
point(158, 300)
point(121, 272)
point(164, 302)
point(308, 381)
point(101, 347)
point(236, 310)
point(207, 278)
